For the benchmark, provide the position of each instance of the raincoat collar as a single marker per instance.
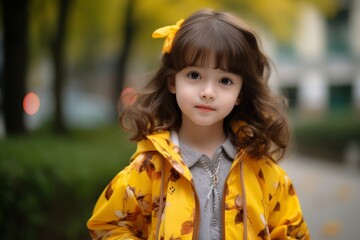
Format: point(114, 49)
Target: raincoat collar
point(167, 147)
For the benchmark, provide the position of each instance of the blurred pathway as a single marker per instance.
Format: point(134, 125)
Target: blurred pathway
point(329, 195)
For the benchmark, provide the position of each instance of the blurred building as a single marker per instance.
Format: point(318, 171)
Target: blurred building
point(320, 69)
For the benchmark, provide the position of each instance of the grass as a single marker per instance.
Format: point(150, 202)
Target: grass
point(50, 183)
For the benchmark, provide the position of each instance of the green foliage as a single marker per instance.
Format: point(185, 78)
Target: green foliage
point(94, 29)
point(49, 184)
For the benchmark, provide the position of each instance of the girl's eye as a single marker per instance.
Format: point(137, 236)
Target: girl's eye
point(225, 81)
point(194, 75)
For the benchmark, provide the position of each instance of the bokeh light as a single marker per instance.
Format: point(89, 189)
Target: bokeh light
point(31, 103)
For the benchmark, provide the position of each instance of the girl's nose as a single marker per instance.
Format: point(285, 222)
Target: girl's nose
point(208, 92)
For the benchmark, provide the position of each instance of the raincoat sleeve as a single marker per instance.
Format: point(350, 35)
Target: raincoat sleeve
point(123, 211)
point(285, 218)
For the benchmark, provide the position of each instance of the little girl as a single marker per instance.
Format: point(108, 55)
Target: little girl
point(209, 133)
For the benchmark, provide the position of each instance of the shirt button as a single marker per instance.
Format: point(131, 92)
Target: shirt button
point(214, 222)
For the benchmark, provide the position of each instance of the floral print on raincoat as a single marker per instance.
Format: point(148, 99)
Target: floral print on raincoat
point(259, 199)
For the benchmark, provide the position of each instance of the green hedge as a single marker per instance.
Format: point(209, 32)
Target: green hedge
point(327, 137)
point(49, 184)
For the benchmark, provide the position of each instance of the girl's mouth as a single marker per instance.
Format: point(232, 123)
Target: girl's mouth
point(205, 108)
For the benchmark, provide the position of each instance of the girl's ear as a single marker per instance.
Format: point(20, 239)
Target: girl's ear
point(238, 100)
point(171, 85)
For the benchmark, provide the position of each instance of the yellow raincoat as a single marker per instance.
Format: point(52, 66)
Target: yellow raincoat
point(154, 198)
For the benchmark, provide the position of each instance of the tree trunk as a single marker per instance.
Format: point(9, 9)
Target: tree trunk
point(128, 34)
point(59, 66)
point(15, 18)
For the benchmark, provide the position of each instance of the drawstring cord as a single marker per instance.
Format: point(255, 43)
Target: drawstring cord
point(161, 204)
point(244, 198)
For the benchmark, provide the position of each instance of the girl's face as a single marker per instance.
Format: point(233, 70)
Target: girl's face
point(206, 95)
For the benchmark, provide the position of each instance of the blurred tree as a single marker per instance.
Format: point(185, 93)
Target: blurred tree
point(15, 19)
point(42, 26)
point(59, 67)
point(128, 28)
point(84, 40)
point(48, 38)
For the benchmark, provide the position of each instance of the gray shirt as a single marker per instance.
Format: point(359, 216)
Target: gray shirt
point(199, 164)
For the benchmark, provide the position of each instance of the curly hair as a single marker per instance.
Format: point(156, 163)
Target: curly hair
point(258, 124)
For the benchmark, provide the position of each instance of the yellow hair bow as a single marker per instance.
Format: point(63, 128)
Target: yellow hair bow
point(168, 33)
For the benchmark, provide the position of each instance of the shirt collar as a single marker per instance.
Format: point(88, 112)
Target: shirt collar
point(191, 156)
point(229, 148)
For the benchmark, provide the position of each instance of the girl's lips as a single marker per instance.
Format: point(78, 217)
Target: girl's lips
point(205, 108)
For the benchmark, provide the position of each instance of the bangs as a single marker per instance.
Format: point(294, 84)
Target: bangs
point(213, 44)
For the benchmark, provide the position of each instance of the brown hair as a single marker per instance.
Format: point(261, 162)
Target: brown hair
point(262, 128)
